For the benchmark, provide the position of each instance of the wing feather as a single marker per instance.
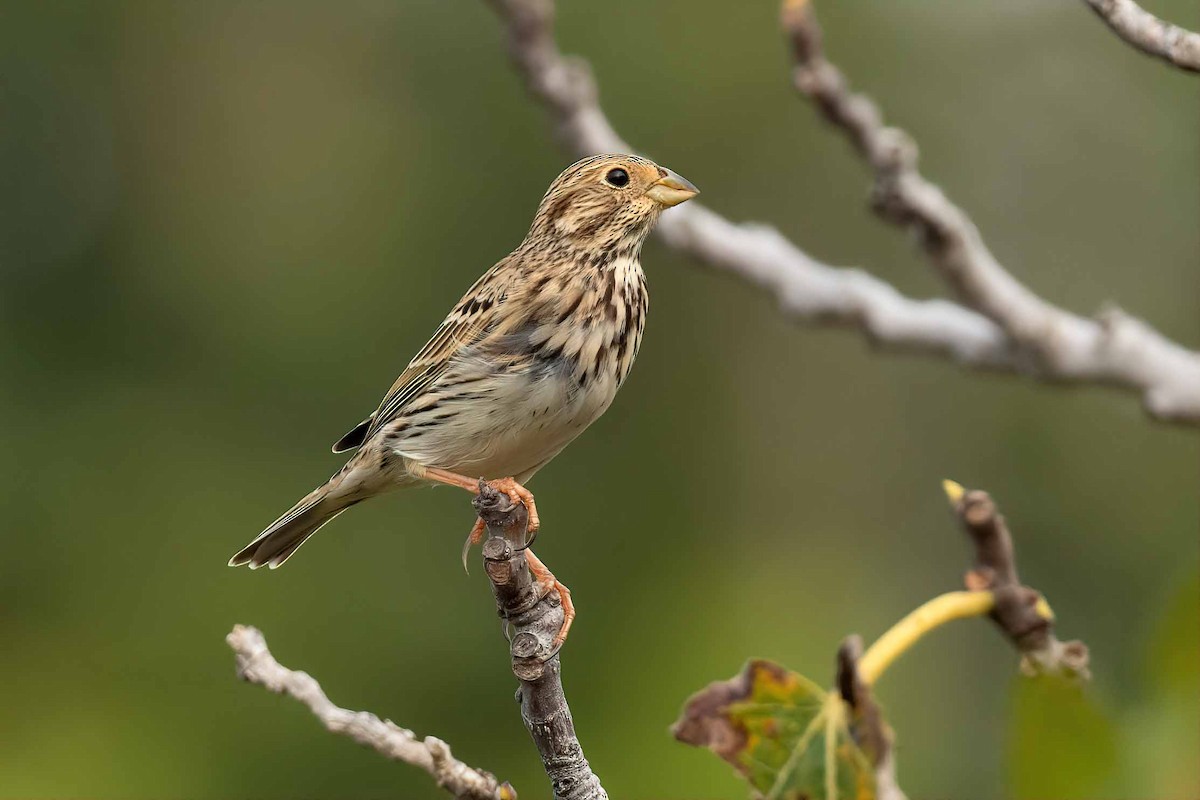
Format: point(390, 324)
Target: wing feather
point(466, 324)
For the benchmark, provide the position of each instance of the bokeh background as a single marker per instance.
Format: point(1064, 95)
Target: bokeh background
point(225, 227)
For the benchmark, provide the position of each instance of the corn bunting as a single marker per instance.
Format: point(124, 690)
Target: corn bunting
point(532, 354)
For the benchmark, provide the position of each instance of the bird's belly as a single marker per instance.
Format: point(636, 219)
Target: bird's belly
point(511, 424)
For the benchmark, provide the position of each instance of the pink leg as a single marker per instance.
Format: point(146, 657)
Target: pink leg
point(549, 583)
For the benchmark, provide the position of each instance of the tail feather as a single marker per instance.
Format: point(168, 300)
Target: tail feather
point(283, 536)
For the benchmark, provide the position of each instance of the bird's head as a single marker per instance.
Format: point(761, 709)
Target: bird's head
point(601, 200)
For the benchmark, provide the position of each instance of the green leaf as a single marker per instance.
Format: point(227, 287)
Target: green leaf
point(1062, 743)
point(787, 736)
point(1160, 737)
point(1174, 653)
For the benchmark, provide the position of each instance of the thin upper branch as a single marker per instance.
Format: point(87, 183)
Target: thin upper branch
point(256, 665)
point(1114, 349)
point(535, 617)
point(805, 288)
point(1042, 341)
point(1148, 33)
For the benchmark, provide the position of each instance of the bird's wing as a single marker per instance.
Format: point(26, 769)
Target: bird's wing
point(355, 437)
point(465, 325)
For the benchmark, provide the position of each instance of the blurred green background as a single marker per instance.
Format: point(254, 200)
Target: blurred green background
point(225, 227)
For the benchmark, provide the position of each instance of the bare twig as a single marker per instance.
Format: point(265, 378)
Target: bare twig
point(1148, 33)
point(1020, 611)
point(1114, 349)
point(256, 665)
point(1042, 341)
point(750, 720)
point(535, 618)
point(995, 589)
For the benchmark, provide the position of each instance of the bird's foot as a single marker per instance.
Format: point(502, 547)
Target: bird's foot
point(548, 583)
point(519, 494)
point(515, 492)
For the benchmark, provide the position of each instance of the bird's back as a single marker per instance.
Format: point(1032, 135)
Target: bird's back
point(560, 338)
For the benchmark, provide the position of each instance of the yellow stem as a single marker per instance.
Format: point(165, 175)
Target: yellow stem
point(905, 633)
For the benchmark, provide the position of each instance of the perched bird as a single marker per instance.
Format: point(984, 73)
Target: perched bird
point(533, 353)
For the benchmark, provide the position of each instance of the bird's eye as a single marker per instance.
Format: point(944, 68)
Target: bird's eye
point(617, 177)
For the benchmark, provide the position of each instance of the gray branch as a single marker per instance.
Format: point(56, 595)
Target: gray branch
point(535, 618)
point(255, 664)
point(1148, 33)
point(1114, 349)
point(998, 324)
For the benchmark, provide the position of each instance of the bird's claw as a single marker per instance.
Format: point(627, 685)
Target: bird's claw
point(473, 538)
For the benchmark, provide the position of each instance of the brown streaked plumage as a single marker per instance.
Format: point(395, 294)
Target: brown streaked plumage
point(533, 353)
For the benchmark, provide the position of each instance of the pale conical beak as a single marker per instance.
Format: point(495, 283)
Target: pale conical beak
point(671, 190)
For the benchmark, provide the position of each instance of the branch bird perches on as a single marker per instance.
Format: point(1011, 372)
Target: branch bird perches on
point(535, 617)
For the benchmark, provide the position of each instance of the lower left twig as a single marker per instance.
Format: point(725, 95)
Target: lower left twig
point(255, 664)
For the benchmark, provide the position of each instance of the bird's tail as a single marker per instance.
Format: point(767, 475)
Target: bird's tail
point(283, 536)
